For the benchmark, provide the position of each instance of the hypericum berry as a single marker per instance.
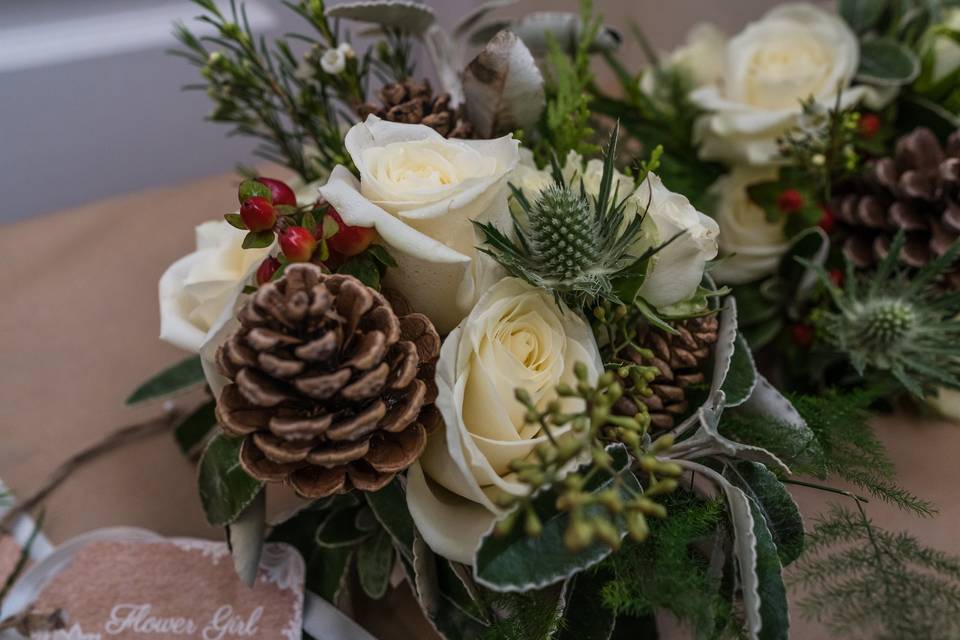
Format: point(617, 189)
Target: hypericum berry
point(801, 335)
point(836, 277)
point(266, 270)
point(280, 192)
point(790, 201)
point(349, 241)
point(869, 125)
point(297, 244)
point(258, 214)
point(827, 221)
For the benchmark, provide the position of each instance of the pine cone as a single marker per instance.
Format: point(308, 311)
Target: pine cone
point(917, 190)
point(680, 359)
point(413, 102)
point(330, 389)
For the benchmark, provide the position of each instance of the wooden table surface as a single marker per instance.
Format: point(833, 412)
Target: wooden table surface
point(78, 331)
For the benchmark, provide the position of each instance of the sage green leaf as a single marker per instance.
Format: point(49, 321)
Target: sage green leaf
point(340, 530)
point(185, 373)
point(225, 488)
point(726, 342)
point(390, 507)
point(742, 375)
point(861, 15)
point(192, 431)
point(363, 268)
point(774, 503)
point(327, 571)
point(374, 562)
point(379, 253)
point(516, 562)
point(245, 539)
point(774, 613)
point(450, 621)
point(887, 62)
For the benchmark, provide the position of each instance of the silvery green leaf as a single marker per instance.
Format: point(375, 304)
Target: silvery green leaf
point(741, 376)
point(245, 539)
point(564, 26)
point(477, 14)
point(503, 87)
point(767, 401)
point(445, 59)
point(726, 343)
point(413, 17)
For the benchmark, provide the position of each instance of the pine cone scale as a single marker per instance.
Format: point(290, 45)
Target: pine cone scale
point(412, 102)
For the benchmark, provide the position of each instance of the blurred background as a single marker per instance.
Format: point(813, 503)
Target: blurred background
point(91, 103)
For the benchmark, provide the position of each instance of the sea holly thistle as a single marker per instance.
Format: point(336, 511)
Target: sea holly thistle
point(573, 244)
point(896, 322)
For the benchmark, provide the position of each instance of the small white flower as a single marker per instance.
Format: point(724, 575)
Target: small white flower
point(333, 61)
point(346, 50)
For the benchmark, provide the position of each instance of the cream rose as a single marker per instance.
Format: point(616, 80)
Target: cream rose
point(675, 271)
point(752, 244)
point(700, 59)
point(515, 337)
point(196, 289)
point(421, 191)
point(795, 52)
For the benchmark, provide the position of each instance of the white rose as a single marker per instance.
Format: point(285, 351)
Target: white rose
point(196, 289)
point(515, 337)
point(675, 271)
point(421, 191)
point(755, 243)
point(795, 52)
point(700, 59)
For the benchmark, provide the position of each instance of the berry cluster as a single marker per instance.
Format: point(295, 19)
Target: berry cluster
point(313, 233)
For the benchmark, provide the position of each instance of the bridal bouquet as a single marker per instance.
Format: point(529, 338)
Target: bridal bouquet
point(480, 336)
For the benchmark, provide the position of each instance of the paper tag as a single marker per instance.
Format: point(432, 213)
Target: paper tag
point(174, 588)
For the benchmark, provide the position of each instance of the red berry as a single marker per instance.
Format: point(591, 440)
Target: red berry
point(266, 270)
point(827, 221)
point(258, 214)
point(790, 201)
point(836, 277)
point(869, 124)
point(801, 335)
point(349, 241)
point(280, 192)
point(297, 244)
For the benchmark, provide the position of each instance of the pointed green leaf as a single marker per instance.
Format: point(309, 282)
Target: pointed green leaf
point(516, 562)
point(185, 373)
point(775, 504)
point(374, 563)
point(381, 255)
point(773, 595)
point(258, 239)
point(364, 269)
point(390, 507)
point(190, 433)
point(235, 220)
point(327, 571)
point(225, 488)
point(253, 189)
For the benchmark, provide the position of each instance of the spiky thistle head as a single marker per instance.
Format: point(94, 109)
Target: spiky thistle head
point(897, 322)
point(572, 243)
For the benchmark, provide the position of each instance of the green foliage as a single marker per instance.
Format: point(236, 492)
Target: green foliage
point(186, 373)
point(579, 247)
point(565, 125)
point(267, 92)
point(195, 428)
point(896, 322)
point(530, 615)
point(225, 488)
point(845, 446)
point(668, 572)
point(864, 582)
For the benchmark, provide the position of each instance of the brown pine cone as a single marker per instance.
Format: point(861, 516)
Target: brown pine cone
point(330, 389)
point(413, 102)
point(917, 190)
point(680, 359)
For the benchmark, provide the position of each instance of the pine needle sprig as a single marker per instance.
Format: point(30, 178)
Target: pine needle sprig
point(865, 582)
point(896, 322)
point(571, 243)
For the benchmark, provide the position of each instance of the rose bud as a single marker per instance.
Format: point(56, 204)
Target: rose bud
point(266, 270)
point(349, 241)
point(258, 214)
point(297, 244)
point(280, 192)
